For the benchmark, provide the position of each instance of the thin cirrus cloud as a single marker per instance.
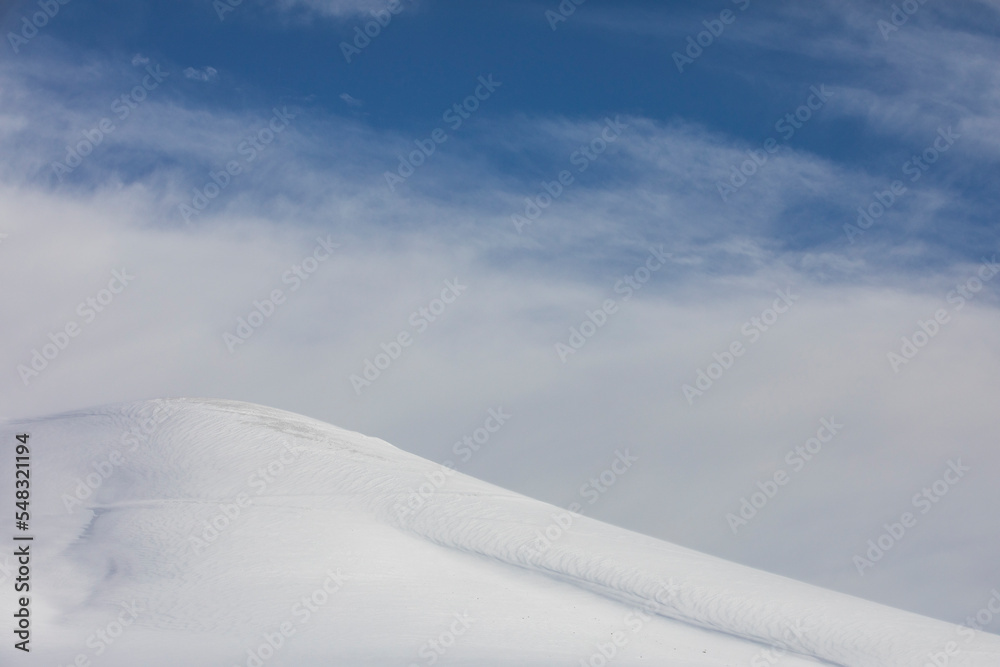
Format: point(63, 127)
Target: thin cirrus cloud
point(350, 100)
point(904, 80)
point(335, 8)
point(204, 74)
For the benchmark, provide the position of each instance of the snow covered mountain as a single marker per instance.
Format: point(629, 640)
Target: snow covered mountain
point(217, 533)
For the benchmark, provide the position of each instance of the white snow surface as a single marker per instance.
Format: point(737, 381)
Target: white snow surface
point(209, 532)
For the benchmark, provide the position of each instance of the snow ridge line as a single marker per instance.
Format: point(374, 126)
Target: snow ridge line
point(467, 514)
point(677, 597)
point(685, 585)
point(677, 583)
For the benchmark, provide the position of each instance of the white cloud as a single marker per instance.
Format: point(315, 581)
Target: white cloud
point(337, 8)
point(350, 100)
point(937, 69)
point(204, 74)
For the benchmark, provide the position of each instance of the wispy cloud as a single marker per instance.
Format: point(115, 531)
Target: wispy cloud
point(204, 74)
point(336, 8)
point(350, 100)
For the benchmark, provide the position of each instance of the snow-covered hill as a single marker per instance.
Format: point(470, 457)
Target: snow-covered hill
point(203, 532)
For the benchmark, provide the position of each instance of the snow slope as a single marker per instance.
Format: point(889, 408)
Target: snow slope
point(204, 532)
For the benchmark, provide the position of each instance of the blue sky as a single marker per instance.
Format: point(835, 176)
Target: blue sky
point(602, 60)
point(661, 142)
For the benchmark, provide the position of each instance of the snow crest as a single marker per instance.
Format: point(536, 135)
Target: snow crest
point(183, 459)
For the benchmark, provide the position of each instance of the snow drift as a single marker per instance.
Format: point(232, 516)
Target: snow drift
point(204, 532)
